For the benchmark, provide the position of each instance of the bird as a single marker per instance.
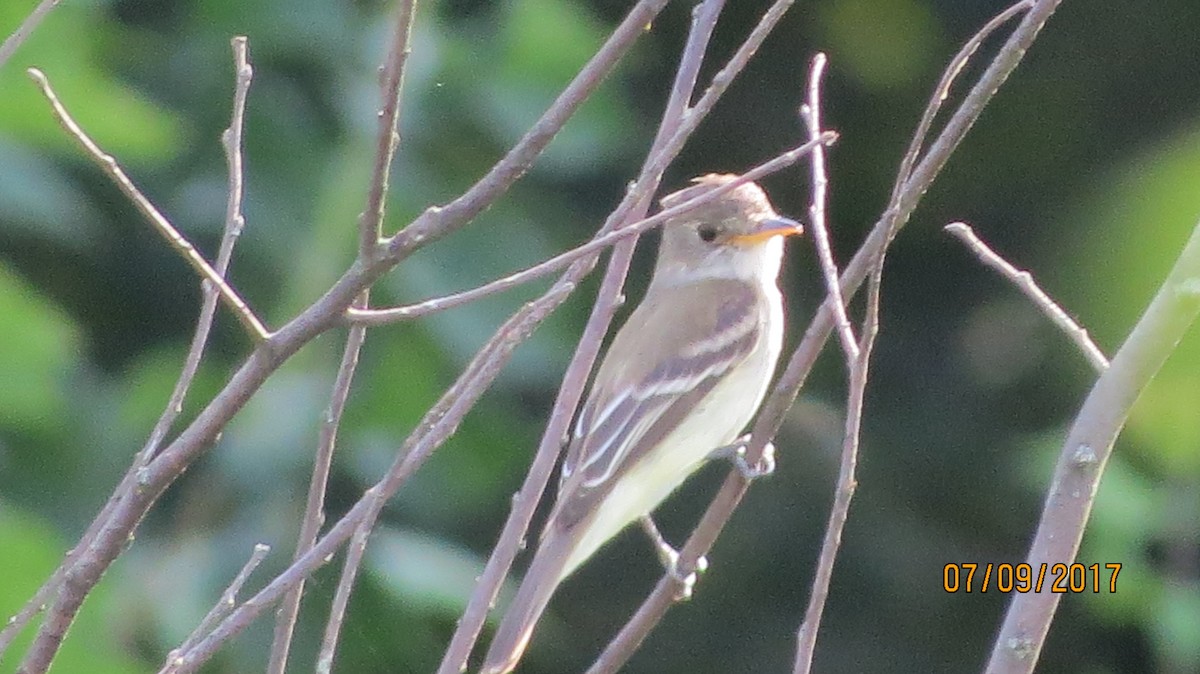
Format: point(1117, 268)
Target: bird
point(683, 377)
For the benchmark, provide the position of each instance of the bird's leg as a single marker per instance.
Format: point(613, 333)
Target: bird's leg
point(735, 453)
point(670, 558)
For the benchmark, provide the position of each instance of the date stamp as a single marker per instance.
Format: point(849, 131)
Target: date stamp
point(1076, 578)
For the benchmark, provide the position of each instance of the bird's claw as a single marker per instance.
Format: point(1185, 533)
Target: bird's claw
point(735, 453)
point(763, 467)
point(669, 557)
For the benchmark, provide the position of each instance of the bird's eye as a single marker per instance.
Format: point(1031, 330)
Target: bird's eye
point(707, 232)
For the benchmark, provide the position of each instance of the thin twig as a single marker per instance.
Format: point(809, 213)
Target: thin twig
point(226, 603)
point(942, 91)
point(1024, 282)
point(314, 509)
point(235, 222)
point(847, 482)
point(371, 219)
point(23, 31)
point(370, 223)
point(592, 247)
point(341, 597)
point(779, 401)
point(109, 165)
point(811, 112)
point(231, 141)
point(666, 145)
point(439, 221)
point(1086, 450)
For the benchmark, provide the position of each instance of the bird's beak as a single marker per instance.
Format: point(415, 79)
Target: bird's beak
point(766, 228)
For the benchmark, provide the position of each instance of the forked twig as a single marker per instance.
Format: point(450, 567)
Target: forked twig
point(109, 165)
point(811, 113)
point(1024, 282)
point(226, 603)
point(847, 482)
point(942, 91)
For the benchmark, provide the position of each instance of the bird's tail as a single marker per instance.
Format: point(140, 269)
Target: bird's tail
point(545, 573)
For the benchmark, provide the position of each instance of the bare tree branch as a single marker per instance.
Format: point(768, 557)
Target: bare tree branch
point(227, 601)
point(109, 165)
point(811, 113)
point(370, 223)
point(1088, 446)
point(439, 221)
point(775, 408)
point(1025, 283)
point(22, 33)
point(371, 219)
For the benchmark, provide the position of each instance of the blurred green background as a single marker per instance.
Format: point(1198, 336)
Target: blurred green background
point(1086, 170)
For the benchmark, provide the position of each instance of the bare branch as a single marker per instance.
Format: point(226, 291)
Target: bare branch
point(341, 597)
point(942, 91)
point(22, 33)
point(811, 112)
point(779, 401)
point(371, 219)
point(227, 601)
point(437, 222)
point(1088, 446)
point(1025, 283)
point(370, 223)
point(109, 165)
point(597, 244)
point(806, 639)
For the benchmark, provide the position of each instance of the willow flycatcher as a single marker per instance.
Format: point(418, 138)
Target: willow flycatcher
point(683, 376)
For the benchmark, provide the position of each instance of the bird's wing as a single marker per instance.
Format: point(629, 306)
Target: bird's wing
point(660, 365)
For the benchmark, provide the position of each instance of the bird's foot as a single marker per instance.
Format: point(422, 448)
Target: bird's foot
point(669, 557)
point(735, 453)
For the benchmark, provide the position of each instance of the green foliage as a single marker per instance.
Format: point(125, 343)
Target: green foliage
point(66, 48)
point(38, 351)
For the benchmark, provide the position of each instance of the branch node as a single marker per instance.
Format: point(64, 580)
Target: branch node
point(254, 327)
point(1085, 456)
point(1022, 647)
point(1189, 288)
